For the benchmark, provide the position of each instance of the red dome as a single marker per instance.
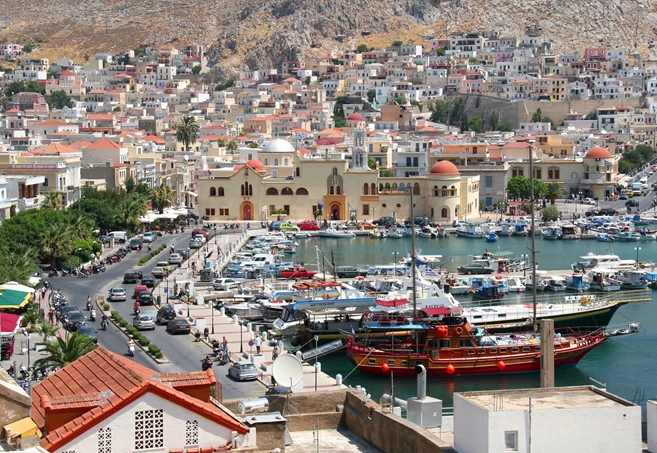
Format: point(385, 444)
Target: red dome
point(355, 117)
point(444, 167)
point(598, 152)
point(255, 164)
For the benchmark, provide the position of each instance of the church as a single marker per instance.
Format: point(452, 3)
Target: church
point(282, 180)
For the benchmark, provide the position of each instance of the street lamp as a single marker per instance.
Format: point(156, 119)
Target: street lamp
point(637, 254)
point(212, 311)
point(27, 335)
point(241, 344)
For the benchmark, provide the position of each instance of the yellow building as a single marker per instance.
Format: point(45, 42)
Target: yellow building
point(343, 190)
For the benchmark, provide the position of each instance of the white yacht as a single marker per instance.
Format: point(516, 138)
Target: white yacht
point(335, 234)
point(592, 261)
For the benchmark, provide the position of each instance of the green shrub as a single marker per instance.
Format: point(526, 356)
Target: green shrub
point(122, 322)
point(106, 306)
point(132, 331)
point(114, 314)
point(155, 351)
point(143, 340)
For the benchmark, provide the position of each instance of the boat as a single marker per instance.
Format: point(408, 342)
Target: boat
point(651, 277)
point(492, 237)
point(555, 284)
point(632, 327)
point(394, 233)
point(570, 232)
point(336, 234)
point(427, 232)
point(552, 233)
point(632, 279)
point(603, 280)
point(609, 261)
point(515, 284)
point(605, 237)
point(469, 230)
point(454, 286)
point(575, 282)
point(489, 291)
point(446, 344)
point(541, 281)
point(627, 236)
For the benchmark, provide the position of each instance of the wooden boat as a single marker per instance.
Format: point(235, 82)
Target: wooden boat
point(447, 344)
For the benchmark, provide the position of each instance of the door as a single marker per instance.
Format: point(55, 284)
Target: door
point(335, 211)
point(247, 212)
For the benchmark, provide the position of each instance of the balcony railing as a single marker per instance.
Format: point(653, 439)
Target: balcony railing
point(30, 203)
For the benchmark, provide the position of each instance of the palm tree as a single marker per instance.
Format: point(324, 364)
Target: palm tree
point(57, 241)
point(553, 190)
point(232, 146)
point(162, 197)
point(17, 268)
point(187, 131)
point(221, 142)
point(64, 352)
point(131, 209)
point(47, 330)
point(81, 224)
point(53, 200)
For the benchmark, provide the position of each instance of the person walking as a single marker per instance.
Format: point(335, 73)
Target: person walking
point(274, 353)
point(258, 343)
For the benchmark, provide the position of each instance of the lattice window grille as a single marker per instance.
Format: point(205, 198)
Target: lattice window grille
point(149, 429)
point(105, 440)
point(191, 433)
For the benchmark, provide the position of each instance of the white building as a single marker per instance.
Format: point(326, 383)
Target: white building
point(566, 420)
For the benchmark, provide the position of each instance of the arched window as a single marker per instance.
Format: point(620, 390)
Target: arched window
point(436, 192)
point(287, 191)
point(266, 162)
point(220, 192)
point(444, 191)
point(452, 191)
point(332, 190)
point(272, 191)
point(373, 188)
point(366, 189)
point(213, 192)
point(250, 190)
point(402, 187)
point(416, 189)
point(335, 171)
point(394, 187)
point(298, 172)
point(275, 161)
point(338, 189)
point(432, 213)
point(302, 191)
point(443, 213)
point(243, 189)
point(387, 187)
point(286, 162)
point(381, 187)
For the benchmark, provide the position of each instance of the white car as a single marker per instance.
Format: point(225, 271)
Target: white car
point(589, 200)
point(149, 236)
point(225, 284)
point(118, 294)
point(175, 258)
point(200, 237)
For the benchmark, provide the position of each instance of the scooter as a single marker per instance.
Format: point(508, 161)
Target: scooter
point(206, 364)
point(103, 324)
point(92, 315)
point(131, 350)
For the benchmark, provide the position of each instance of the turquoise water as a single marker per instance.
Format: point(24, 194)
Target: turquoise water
point(627, 365)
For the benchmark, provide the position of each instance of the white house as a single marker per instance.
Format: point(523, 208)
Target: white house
point(581, 419)
point(103, 151)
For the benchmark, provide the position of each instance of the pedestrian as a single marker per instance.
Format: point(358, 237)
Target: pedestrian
point(149, 247)
point(258, 343)
point(274, 353)
point(51, 316)
point(224, 344)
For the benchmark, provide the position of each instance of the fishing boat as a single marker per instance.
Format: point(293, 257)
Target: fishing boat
point(469, 230)
point(492, 237)
point(455, 286)
point(515, 284)
point(336, 234)
point(575, 282)
point(541, 281)
point(570, 232)
point(555, 284)
point(489, 291)
point(632, 279)
point(394, 233)
point(627, 236)
point(552, 233)
point(446, 344)
point(603, 280)
point(605, 237)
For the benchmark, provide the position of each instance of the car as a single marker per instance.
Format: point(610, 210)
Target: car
point(131, 277)
point(623, 196)
point(164, 265)
point(149, 236)
point(362, 225)
point(178, 325)
point(243, 371)
point(145, 298)
point(202, 231)
point(475, 268)
point(68, 309)
point(175, 258)
point(286, 226)
point(309, 225)
point(201, 238)
point(159, 272)
point(592, 212)
point(74, 320)
point(117, 294)
point(297, 272)
point(225, 284)
point(589, 200)
point(195, 244)
point(148, 281)
point(144, 321)
point(135, 243)
point(608, 211)
point(348, 271)
point(140, 289)
point(384, 221)
point(165, 313)
point(271, 391)
point(630, 193)
point(632, 203)
point(87, 330)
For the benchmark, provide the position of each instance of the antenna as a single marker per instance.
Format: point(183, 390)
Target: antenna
point(287, 370)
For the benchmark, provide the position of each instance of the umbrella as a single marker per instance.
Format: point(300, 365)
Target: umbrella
point(13, 298)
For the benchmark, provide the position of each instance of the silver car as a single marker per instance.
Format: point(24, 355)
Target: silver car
point(243, 371)
point(118, 294)
point(175, 258)
point(144, 321)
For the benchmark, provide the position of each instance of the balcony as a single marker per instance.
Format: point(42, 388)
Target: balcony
point(592, 181)
point(30, 203)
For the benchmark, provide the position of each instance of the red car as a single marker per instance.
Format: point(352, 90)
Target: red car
point(308, 225)
point(297, 272)
point(201, 231)
point(140, 289)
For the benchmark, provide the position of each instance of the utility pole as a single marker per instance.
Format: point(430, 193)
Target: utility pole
point(547, 353)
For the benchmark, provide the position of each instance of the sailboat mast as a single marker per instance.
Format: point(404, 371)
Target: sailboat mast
point(533, 232)
point(413, 258)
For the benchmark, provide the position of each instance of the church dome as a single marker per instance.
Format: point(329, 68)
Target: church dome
point(598, 152)
point(278, 146)
point(444, 167)
point(355, 117)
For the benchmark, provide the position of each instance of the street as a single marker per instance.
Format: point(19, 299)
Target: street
point(182, 351)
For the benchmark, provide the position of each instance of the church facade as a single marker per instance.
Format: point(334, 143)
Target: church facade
point(341, 189)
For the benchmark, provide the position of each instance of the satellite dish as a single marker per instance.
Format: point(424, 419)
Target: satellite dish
point(287, 370)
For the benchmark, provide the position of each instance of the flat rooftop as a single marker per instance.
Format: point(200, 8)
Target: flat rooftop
point(548, 398)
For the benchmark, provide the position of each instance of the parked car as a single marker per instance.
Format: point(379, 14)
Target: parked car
point(286, 226)
point(178, 325)
point(632, 203)
point(165, 313)
point(144, 322)
point(347, 271)
point(475, 268)
point(225, 284)
point(589, 200)
point(175, 258)
point(140, 289)
point(87, 330)
point(592, 212)
point(159, 272)
point(145, 298)
point(131, 277)
point(384, 221)
point(366, 225)
point(135, 243)
point(623, 196)
point(297, 272)
point(278, 391)
point(243, 371)
point(308, 225)
point(608, 211)
point(203, 231)
point(148, 281)
point(74, 320)
point(195, 244)
point(117, 294)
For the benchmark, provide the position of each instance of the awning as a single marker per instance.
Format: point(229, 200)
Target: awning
point(437, 311)
point(191, 193)
point(12, 298)
point(21, 429)
point(392, 303)
point(9, 323)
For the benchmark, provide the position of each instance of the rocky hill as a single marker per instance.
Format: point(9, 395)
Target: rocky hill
point(257, 33)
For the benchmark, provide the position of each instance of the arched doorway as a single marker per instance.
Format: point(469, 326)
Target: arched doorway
point(247, 211)
point(335, 210)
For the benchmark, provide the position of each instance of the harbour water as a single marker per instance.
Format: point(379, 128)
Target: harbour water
point(626, 364)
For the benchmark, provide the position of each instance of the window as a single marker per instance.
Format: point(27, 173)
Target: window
point(191, 433)
point(538, 173)
point(266, 162)
point(335, 171)
point(213, 192)
point(331, 190)
point(444, 191)
point(302, 191)
point(298, 172)
point(416, 189)
point(272, 208)
point(287, 191)
point(272, 191)
point(286, 162)
point(366, 189)
point(105, 440)
point(45, 183)
point(489, 181)
point(149, 429)
point(373, 188)
point(511, 440)
point(275, 162)
point(366, 209)
point(209, 211)
point(286, 208)
point(220, 192)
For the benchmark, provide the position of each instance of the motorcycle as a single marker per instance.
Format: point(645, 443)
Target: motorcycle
point(83, 273)
point(206, 364)
point(92, 315)
point(136, 310)
point(131, 350)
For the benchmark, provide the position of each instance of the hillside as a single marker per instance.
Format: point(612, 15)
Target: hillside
point(258, 33)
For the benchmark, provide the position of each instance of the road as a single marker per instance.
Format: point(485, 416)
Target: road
point(182, 351)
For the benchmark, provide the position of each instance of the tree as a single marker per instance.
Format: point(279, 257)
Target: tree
point(232, 146)
point(196, 69)
point(439, 112)
point(59, 99)
point(279, 213)
point(131, 209)
point(53, 201)
point(440, 52)
point(553, 190)
point(493, 121)
point(64, 352)
point(56, 242)
point(371, 95)
point(477, 124)
point(537, 116)
point(162, 197)
point(338, 116)
point(504, 127)
point(371, 163)
point(22, 86)
point(47, 330)
point(550, 213)
point(224, 86)
point(187, 131)
point(28, 48)
point(362, 48)
point(397, 44)
point(253, 145)
point(518, 187)
point(129, 184)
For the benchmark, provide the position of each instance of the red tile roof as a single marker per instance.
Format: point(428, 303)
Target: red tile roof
point(100, 116)
point(53, 123)
point(104, 144)
point(101, 383)
point(54, 149)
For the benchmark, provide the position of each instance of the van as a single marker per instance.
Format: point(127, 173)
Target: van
point(118, 236)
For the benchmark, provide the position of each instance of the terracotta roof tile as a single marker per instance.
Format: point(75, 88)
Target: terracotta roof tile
point(104, 144)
